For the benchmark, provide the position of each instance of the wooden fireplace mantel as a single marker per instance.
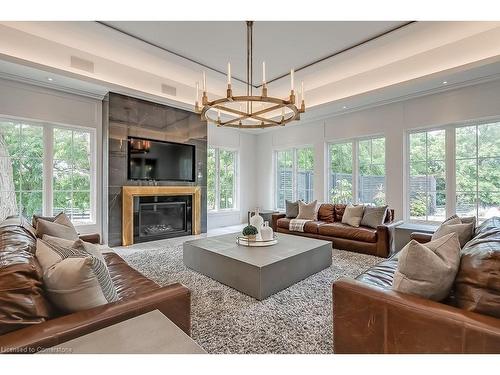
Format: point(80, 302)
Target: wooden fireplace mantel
point(129, 192)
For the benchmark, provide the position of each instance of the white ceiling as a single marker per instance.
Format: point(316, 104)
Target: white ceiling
point(282, 44)
point(413, 60)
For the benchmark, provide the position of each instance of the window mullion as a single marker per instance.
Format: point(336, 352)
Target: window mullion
point(294, 175)
point(355, 171)
point(450, 171)
point(217, 180)
point(48, 161)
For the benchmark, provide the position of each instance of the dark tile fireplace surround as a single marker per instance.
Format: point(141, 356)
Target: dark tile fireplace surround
point(154, 217)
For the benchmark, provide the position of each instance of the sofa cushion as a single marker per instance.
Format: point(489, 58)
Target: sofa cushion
point(312, 226)
point(291, 209)
point(374, 216)
point(339, 211)
point(381, 274)
point(477, 285)
point(326, 213)
point(346, 231)
point(283, 223)
point(353, 215)
point(463, 228)
point(22, 298)
point(428, 270)
point(74, 279)
point(128, 281)
point(61, 227)
point(308, 211)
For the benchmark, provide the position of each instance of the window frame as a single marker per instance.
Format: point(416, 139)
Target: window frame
point(355, 164)
point(294, 151)
point(48, 168)
point(450, 166)
point(236, 184)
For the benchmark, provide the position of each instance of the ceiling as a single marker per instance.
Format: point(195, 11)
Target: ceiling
point(282, 45)
point(414, 59)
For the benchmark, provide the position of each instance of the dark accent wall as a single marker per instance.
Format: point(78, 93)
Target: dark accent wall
point(125, 116)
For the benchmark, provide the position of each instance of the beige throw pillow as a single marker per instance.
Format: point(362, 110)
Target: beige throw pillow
point(61, 227)
point(428, 270)
point(353, 215)
point(463, 227)
point(90, 248)
point(74, 279)
point(373, 216)
point(308, 211)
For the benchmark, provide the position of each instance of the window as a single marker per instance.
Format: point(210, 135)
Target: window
point(340, 176)
point(25, 150)
point(371, 176)
point(52, 169)
point(427, 176)
point(478, 170)
point(221, 179)
point(72, 174)
point(455, 169)
point(357, 169)
point(294, 175)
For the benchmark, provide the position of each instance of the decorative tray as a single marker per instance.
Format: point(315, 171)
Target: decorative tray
point(241, 240)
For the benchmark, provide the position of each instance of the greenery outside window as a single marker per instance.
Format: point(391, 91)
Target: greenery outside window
point(357, 171)
point(52, 168)
point(294, 175)
point(454, 170)
point(427, 182)
point(221, 179)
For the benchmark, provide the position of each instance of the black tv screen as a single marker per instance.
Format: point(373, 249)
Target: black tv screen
point(159, 160)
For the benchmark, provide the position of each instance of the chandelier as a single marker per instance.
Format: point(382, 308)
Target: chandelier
point(250, 111)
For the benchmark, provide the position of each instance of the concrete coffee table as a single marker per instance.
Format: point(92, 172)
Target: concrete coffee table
point(258, 271)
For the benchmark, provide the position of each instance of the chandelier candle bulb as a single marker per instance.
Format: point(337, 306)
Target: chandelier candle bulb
point(302, 91)
point(263, 72)
point(228, 73)
point(204, 82)
point(292, 79)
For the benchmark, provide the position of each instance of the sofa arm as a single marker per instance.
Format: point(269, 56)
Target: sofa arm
point(368, 319)
point(385, 239)
point(274, 220)
point(94, 238)
point(421, 237)
point(174, 301)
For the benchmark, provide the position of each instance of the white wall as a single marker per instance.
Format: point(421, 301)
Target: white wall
point(393, 120)
point(245, 143)
point(35, 103)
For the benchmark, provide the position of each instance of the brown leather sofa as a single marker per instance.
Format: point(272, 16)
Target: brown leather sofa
point(329, 227)
point(369, 317)
point(28, 321)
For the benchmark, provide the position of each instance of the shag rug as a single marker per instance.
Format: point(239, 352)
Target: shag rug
point(296, 320)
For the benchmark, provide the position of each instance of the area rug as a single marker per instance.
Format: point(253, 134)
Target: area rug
point(297, 320)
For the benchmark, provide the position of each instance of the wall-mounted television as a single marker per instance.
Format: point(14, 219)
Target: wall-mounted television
point(160, 161)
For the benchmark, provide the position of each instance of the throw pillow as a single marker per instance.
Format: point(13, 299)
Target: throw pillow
point(308, 211)
point(292, 209)
point(74, 279)
point(90, 248)
point(373, 216)
point(428, 270)
point(353, 215)
point(61, 227)
point(464, 228)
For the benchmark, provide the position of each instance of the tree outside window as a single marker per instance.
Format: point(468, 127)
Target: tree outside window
point(222, 177)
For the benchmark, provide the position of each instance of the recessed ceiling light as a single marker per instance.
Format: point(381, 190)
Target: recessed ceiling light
point(50, 79)
point(445, 82)
point(344, 107)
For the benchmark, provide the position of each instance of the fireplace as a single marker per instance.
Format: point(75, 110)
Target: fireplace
point(155, 212)
point(159, 217)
